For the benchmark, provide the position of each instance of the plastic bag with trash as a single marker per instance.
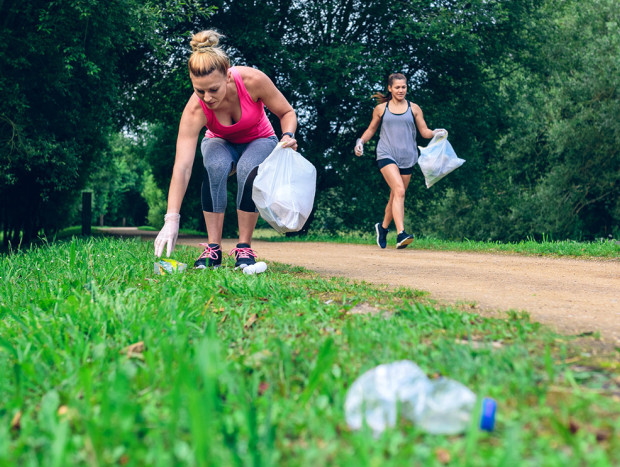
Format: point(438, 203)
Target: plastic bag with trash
point(168, 266)
point(438, 159)
point(284, 189)
point(438, 406)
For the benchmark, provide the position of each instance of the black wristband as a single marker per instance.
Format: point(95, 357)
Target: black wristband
point(292, 135)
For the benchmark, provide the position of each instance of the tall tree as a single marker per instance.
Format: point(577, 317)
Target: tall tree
point(66, 74)
point(329, 57)
point(557, 169)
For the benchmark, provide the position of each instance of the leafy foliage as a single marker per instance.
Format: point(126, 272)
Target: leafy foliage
point(527, 91)
point(59, 62)
point(67, 76)
point(558, 165)
point(329, 57)
point(119, 182)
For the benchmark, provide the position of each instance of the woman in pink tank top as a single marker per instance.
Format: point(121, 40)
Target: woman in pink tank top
point(253, 123)
point(229, 102)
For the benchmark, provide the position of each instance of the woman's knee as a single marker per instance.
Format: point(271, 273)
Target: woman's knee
point(398, 193)
point(255, 153)
point(245, 167)
point(218, 169)
point(217, 156)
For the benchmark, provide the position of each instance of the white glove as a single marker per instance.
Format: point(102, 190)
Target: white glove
point(168, 234)
point(359, 147)
point(440, 132)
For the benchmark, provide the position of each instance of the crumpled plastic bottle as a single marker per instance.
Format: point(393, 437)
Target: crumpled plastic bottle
point(439, 406)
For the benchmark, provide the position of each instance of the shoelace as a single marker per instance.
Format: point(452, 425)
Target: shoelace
point(242, 253)
point(209, 252)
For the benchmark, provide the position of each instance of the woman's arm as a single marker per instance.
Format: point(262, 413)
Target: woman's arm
point(260, 86)
point(423, 129)
point(192, 122)
point(374, 123)
point(371, 130)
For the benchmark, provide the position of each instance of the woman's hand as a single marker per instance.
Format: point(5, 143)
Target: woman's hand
point(288, 142)
point(359, 147)
point(440, 132)
point(168, 234)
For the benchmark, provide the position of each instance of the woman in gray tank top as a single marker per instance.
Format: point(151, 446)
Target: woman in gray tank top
point(397, 151)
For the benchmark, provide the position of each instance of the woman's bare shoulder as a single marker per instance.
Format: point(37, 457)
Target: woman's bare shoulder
point(193, 105)
point(380, 108)
point(257, 83)
point(193, 113)
point(250, 75)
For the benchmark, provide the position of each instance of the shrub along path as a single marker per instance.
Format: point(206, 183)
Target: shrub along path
point(573, 296)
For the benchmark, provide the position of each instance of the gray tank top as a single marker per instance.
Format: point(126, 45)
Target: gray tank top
point(397, 139)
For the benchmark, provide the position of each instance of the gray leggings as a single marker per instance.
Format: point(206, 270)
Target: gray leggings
point(221, 159)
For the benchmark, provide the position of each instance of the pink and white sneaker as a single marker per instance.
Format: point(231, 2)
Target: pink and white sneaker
point(211, 257)
point(244, 255)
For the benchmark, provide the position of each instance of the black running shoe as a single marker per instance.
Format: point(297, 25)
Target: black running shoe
point(403, 240)
point(244, 255)
point(381, 235)
point(211, 257)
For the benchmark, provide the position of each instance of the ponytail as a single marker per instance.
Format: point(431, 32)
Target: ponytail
point(381, 98)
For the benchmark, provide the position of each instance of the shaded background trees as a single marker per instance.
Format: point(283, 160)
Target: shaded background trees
point(556, 167)
point(527, 91)
point(68, 75)
point(329, 57)
point(60, 91)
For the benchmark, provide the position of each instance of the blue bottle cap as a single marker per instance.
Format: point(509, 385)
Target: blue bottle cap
point(487, 418)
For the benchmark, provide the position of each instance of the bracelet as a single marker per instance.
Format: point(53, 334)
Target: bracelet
point(292, 135)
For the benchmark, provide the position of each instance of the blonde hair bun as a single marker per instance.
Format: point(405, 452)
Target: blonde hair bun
point(204, 40)
point(206, 56)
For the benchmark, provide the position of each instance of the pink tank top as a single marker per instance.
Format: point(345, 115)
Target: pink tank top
point(252, 125)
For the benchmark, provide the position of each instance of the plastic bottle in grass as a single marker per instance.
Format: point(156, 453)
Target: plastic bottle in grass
point(438, 406)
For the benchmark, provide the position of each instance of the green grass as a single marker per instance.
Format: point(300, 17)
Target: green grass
point(570, 248)
point(253, 370)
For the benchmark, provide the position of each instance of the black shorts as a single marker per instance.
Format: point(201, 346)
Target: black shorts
point(383, 162)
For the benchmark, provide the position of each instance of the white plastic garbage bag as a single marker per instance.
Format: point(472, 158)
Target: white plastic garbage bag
point(284, 189)
point(438, 159)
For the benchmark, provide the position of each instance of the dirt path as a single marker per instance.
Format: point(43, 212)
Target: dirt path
point(572, 296)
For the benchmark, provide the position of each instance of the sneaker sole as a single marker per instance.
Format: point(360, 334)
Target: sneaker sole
point(378, 235)
point(404, 243)
point(205, 267)
point(257, 268)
